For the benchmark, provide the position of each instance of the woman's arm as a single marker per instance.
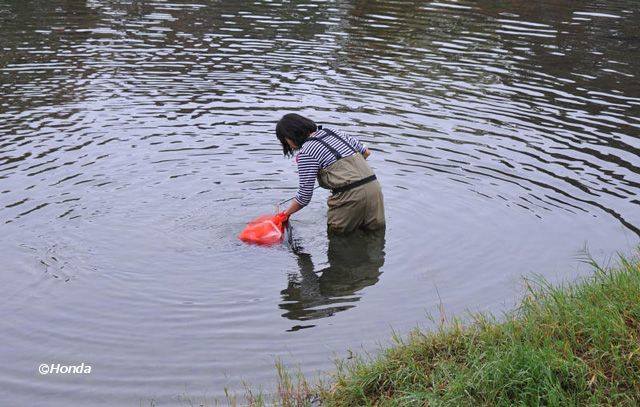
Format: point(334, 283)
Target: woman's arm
point(355, 143)
point(308, 168)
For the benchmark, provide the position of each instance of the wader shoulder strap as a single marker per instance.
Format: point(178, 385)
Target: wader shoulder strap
point(324, 143)
point(343, 141)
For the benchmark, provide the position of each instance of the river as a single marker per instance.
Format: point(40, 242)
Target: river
point(137, 139)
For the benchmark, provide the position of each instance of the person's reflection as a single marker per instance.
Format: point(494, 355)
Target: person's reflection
point(354, 263)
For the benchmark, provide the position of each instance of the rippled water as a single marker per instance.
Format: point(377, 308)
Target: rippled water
point(137, 138)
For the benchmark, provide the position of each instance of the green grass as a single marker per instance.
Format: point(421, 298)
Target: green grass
point(564, 346)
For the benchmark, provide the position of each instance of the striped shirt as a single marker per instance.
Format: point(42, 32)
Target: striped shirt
point(314, 156)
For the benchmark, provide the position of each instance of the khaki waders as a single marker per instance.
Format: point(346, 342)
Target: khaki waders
point(356, 201)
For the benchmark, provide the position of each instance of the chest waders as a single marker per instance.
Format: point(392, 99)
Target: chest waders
point(356, 200)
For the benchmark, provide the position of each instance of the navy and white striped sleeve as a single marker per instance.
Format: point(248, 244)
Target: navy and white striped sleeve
point(354, 142)
point(308, 168)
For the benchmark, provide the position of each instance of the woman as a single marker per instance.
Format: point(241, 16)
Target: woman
point(338, 162)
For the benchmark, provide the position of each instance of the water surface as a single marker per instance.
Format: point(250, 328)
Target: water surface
point(137, 139)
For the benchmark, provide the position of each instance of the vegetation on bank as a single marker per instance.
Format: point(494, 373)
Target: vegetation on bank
point(572, 345)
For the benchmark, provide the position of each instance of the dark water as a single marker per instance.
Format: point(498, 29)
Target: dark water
point(136, 139)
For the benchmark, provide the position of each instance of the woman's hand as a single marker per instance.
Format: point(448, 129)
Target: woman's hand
point(366, 154)
point(293, 208)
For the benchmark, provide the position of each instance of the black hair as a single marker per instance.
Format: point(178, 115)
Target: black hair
point(296, 128)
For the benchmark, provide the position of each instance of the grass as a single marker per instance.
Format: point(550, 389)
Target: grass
point(571, 345)
point(563, 346)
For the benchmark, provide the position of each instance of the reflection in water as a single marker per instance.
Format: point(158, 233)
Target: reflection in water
point(354, 263)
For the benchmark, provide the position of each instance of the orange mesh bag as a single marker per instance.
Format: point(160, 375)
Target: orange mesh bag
point(265, 230)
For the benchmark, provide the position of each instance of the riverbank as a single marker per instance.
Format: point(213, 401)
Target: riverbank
point(572, 345)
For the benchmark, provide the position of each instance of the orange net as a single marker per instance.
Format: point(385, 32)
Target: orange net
point(264, 230)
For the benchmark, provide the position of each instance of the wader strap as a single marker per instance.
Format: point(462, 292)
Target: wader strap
point(324, 143)
point(341, 139)
point(335, 152)
point(354, 184)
